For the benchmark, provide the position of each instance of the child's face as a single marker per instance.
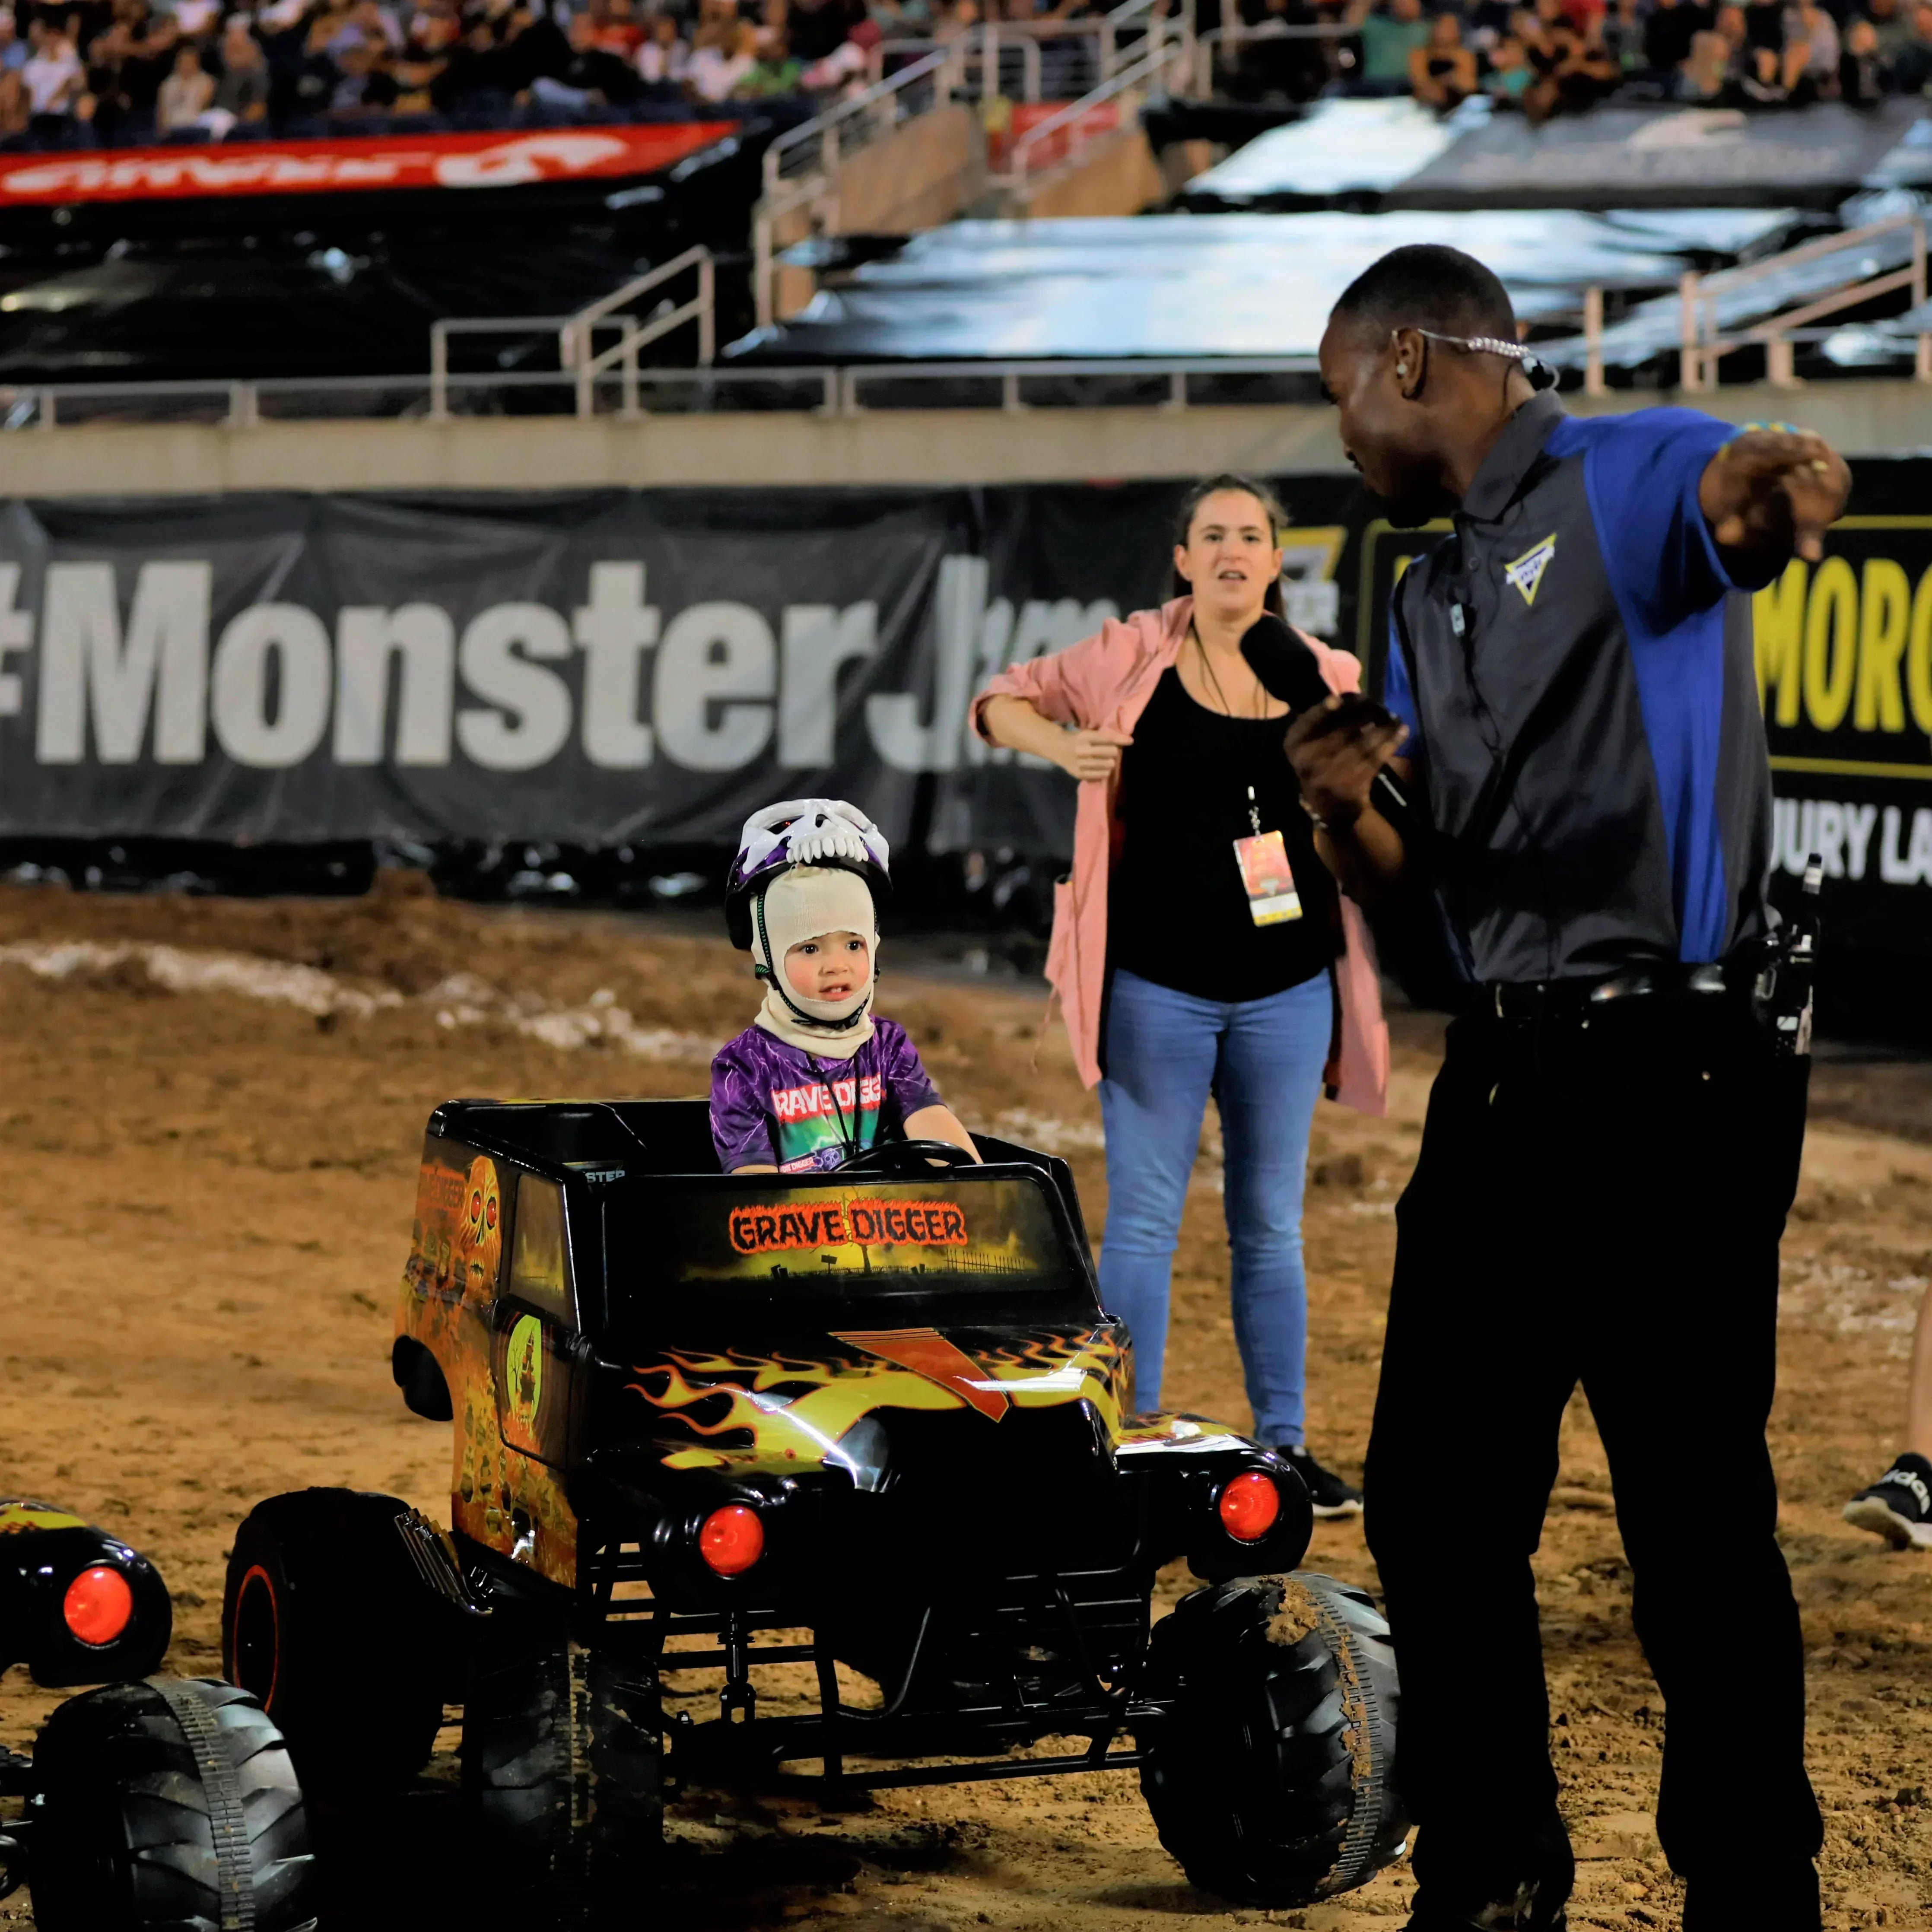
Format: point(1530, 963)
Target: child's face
point(834, 966)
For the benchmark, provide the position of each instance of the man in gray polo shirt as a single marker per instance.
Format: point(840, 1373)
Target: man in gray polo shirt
point(1612, 1143)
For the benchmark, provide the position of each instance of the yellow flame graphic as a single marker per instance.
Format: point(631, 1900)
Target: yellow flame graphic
point(808, 1427)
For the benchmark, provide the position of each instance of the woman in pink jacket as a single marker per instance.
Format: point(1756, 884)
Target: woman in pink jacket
point(1198, 945)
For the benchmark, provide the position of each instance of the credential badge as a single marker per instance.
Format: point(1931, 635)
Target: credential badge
point(1526, 572)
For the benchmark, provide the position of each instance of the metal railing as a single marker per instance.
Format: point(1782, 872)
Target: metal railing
point(1153, 19)
point(801, 166)
point(1220, 47)
point(844, 387)
point(1060, 138)
point(1705, 344)
point(1116, 37)
point(821, 389)
point(1771, 305)
point(576, 335)
point(817, 147)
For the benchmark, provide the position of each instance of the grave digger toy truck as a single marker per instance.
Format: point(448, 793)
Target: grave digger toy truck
point(874, 1418)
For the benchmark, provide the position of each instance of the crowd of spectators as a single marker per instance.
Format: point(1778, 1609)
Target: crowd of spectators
point(87, 73)
point(1549, 56)
point(78, 73)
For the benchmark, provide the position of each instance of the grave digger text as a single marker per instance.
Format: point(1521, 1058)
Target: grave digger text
point(864, 1223)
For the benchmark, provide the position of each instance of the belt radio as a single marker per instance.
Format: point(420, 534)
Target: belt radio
point(1781, 995)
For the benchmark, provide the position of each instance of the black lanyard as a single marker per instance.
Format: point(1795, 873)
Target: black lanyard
point(848, 1136)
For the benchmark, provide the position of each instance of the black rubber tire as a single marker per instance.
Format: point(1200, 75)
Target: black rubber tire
point(562, 1772)
point(169, 1806)
point(325, 1619)
point(1270, 1780)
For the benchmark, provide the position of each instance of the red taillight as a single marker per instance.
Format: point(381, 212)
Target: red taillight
point(1249, 1507)
point(732, 1539)
point(97, 1605)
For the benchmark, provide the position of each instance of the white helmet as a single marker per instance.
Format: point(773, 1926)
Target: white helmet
point(824, 831)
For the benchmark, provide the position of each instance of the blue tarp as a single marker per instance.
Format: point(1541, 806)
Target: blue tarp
point(1225, 285)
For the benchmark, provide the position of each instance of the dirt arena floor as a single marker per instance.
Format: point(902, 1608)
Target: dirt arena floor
point(210, 1113)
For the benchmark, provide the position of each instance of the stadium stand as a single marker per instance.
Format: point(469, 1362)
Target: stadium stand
point(723, 205)
point(130, 72)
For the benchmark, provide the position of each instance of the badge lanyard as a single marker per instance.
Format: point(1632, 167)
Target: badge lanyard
point(848, 1136)
point(1266, 875)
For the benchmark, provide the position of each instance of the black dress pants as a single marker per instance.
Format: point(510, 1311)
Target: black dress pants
point(1600, 1204)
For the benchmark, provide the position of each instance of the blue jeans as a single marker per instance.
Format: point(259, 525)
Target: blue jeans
point(1262, 1060)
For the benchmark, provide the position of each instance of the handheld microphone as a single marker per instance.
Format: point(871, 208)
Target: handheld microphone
point(1288, 671)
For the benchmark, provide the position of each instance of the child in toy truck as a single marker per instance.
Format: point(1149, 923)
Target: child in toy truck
point(817, 1078)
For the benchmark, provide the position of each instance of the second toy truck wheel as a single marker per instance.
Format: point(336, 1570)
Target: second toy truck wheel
point(1269, 1780)
point(327, 1618)
point(563, 1762)
point(167, 1806)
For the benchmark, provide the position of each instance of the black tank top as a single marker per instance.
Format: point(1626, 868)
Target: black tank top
point(1177, 910)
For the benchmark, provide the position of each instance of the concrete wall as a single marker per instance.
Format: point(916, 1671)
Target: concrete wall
point(894, 446)
point(923, 174)
point(1115, 175)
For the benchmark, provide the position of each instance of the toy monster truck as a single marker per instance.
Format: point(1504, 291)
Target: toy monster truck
point(169, 1802)
point(877, 1411)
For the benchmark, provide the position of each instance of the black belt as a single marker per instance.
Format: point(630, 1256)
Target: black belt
point(1579, 999)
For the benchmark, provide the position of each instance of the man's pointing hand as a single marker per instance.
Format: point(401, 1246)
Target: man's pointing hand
point(1769, 491)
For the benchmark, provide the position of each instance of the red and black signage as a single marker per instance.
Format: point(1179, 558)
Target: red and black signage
point(457, 162)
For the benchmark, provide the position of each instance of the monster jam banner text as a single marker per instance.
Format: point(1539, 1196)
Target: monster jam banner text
point(608, 668)
point(596, 669)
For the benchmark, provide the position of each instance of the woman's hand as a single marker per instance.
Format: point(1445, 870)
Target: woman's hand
point(1091, 754)
point(1014, 722)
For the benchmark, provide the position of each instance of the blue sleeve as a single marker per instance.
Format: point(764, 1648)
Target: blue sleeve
point(1642, 472)
point(1396, 696)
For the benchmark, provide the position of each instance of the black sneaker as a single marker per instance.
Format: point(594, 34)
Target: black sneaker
point(1331, 1496)
point(1898, 1506)
point(1520, 1914)
point(1493, 1918)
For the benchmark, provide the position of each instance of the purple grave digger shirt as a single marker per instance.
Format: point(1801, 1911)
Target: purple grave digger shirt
point(777, 1104)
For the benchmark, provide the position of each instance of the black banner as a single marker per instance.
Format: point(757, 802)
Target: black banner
point(595, 669)
point(613, 667)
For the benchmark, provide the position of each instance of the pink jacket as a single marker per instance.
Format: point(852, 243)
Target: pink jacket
point(1105, 681)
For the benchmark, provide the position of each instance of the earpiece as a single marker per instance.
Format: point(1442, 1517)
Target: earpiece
point(1402, 372)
